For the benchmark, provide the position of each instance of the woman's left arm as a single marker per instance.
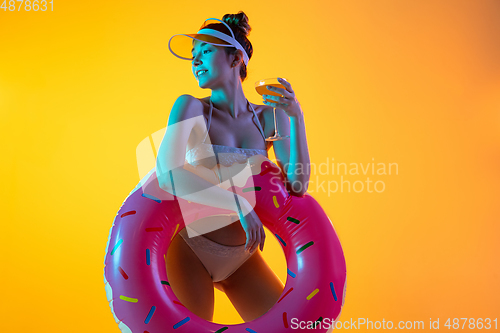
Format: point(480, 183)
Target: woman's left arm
point(292, 154)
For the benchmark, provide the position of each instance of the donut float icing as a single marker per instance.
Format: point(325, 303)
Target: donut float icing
point(135, 277)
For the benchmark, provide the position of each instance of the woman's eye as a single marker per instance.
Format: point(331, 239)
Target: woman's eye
point(203, 52)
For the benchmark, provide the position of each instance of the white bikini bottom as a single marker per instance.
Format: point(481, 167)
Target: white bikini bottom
point(220, 260)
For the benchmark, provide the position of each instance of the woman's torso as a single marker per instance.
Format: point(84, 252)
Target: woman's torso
point(224, 134)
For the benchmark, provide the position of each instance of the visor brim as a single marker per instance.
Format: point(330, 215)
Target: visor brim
point(181, 44)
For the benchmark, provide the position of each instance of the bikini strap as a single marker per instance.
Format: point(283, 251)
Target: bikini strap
point(209, 119)
point(257, 122)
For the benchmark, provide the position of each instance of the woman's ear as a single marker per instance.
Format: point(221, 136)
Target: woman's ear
point(237, 58)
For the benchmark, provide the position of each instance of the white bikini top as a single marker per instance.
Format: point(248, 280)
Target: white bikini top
point(203, 153)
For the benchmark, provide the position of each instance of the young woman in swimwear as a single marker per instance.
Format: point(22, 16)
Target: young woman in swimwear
point(226, 258)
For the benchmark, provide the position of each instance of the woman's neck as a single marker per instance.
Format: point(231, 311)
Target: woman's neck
point(230, 99)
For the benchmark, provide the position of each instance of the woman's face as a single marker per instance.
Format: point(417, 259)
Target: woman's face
point(213, 60)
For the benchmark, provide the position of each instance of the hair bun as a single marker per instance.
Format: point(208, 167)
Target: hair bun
point(239, 21)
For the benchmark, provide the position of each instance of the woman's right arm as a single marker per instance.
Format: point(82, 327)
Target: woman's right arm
point(187, 112)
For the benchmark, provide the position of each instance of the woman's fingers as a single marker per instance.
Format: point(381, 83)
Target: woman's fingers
point(255, 233)
point(255, 237)
point(281, 91)
point(250, 240)
point(262, 238)
point(274, 98)
point(257, 240)
point(287, 85)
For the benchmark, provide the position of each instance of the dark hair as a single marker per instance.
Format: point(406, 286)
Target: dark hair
point(241, 29)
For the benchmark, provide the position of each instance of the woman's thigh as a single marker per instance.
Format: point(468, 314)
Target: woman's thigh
point(253, 288)
point(189, 279)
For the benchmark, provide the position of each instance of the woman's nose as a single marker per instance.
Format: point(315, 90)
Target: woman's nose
point(196, 60)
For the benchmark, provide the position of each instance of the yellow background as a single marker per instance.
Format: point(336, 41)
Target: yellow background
point(415, 83)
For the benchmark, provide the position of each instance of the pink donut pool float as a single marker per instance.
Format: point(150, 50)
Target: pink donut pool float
point(135, 276)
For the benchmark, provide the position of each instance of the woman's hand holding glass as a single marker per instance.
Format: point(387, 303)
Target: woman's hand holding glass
point(287, 103)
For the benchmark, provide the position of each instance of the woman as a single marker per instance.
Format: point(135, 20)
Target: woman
point(205, 132)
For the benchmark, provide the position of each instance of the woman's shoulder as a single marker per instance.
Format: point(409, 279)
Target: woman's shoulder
point(186, 106)
point(261, 110)
point(188, 99)
point(264, 112)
